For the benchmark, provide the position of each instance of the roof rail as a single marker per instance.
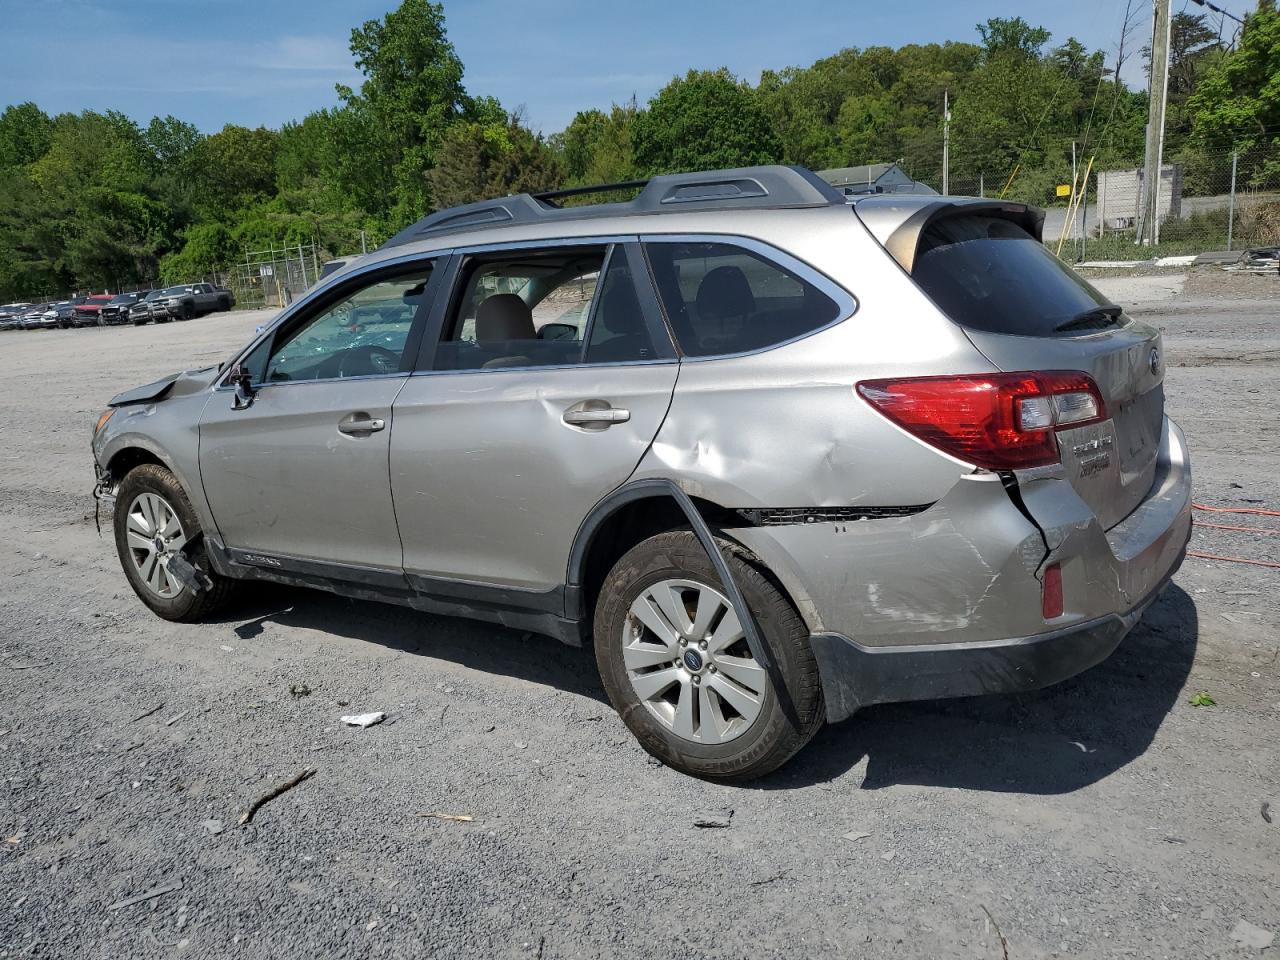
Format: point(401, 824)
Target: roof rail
point(756, 188)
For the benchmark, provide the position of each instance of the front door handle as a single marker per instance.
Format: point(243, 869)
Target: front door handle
point(593, 416)
point(360, 424)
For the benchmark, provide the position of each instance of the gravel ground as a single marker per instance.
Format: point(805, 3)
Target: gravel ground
point(1105, 817)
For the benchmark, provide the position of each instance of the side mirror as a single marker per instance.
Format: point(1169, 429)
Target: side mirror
point(242, 380)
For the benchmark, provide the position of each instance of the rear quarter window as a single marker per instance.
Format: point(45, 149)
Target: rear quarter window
point(988, 274)
point(722, 299)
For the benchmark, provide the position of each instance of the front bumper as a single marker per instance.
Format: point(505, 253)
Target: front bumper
point(947, 602)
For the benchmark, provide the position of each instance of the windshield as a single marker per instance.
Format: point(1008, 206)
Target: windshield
point(125, 298)
point(989, 274)
point(98, 301)
point(176, 291)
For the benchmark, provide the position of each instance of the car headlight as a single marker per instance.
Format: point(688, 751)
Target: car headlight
point(102, 420)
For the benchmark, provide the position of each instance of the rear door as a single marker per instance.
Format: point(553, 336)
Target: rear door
point(1026, 310)
point(548, 375)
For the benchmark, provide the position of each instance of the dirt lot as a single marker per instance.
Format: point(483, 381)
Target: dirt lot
point(1106, 817)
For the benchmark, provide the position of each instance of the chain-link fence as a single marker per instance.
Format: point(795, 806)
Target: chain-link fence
point(275, 276)
point(1208, 202)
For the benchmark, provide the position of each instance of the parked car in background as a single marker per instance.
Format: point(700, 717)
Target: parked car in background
point(802, 454)
point(89, 313)
point(196, 299)
point(150, 307)
point(49, 316)
point(64, 311)
point(33, 316)
point(11, 315)
point(118, 309)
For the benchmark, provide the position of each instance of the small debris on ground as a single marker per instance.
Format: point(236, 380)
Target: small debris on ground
point(151, 895)
point(154, 710)
point(363, 719)
point(888, 856)
point(299, 690)
point(1202, 699)
point(713, 819)
point(774, 879)
point(275, 792)
point(455, 817)
point(1266, 811)
point(213, 826)
point(1250, 935)
point(855, 835)
point(175, 718)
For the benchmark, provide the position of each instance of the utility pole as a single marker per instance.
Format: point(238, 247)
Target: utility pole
point(1161, 22)
point(946, 143)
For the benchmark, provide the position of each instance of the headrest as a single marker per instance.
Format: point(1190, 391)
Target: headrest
point(724, 292)
point(504, 316)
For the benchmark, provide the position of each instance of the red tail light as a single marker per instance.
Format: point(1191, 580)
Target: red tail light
point(1000, 421)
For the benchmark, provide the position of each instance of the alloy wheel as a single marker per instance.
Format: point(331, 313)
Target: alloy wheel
point(154, 532)
point(689, 663)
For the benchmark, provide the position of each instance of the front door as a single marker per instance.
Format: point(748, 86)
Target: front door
point(551, 378)
point(300, 476)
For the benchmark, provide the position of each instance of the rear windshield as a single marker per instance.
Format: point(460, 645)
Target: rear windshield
point(989, 274)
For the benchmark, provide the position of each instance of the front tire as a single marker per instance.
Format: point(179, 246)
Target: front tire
point(153, 517)
point(677, 668)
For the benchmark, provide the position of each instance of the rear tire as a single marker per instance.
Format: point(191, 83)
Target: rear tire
point(717, 740)
point(144, 496)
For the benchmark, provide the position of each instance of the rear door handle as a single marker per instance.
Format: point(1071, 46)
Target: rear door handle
point(360, 424)
point(599, 418)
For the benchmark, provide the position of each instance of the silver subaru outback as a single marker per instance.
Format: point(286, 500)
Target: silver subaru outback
point(774, 453)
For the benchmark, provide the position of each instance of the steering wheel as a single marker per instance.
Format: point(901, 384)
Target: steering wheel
point(367, 360)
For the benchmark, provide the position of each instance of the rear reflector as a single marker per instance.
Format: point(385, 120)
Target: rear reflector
point(999, 421)
point(1051, 592)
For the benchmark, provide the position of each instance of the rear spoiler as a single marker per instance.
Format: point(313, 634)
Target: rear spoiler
point(898, 225)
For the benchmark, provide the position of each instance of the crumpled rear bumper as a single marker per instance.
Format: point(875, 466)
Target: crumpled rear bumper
point(855, 676)
point(947, 603)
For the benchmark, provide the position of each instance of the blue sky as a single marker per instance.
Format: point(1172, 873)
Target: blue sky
point(233, 61)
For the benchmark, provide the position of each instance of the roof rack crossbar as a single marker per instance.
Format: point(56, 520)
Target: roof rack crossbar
point(549, 195)
point(749, 188)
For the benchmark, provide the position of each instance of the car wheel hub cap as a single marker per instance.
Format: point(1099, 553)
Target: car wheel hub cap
point(689, 663)
point(154, 533)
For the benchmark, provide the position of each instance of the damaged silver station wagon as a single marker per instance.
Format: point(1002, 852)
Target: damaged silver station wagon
point(776, 453)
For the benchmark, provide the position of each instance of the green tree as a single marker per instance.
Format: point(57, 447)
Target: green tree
point(234, 167)
point(26, 132)
point(1237, 104)
point(705, 120)
point(412, 93)
point(1012, 35)
point(478, 161)
point(596, 147)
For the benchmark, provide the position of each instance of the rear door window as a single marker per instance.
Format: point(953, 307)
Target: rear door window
point(988, 274)
point(521, 309)
point(722, 298)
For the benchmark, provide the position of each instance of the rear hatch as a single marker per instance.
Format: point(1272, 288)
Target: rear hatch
point(1026, 310)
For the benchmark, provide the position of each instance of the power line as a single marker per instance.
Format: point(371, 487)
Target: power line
point(1217, 9)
